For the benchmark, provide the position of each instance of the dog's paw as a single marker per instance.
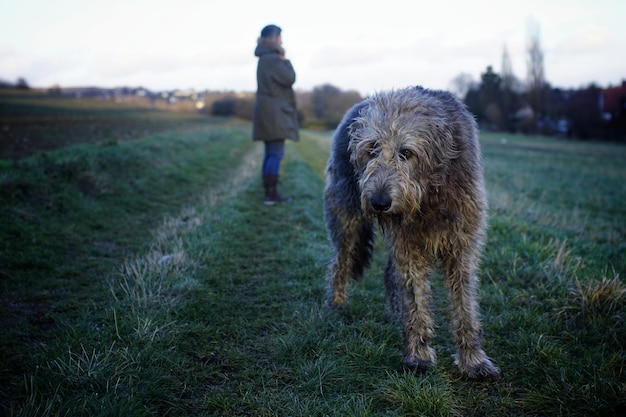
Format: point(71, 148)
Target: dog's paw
point(335, 302)
point(484, 371)
point(417, 366)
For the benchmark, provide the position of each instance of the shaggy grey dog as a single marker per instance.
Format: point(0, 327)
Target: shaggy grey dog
point(410, 159)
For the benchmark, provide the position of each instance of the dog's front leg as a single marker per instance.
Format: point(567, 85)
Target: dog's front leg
point(394, 299)
point(418, 326)
point(462, 282)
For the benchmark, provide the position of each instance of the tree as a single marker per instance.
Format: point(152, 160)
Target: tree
point(22, 84)
point(490, 84)
point(484, 99)
point(329, 103)
point(224, 106)
point(506, 72)
point(584, 114)
point(461, 84)
point(536, 84)
point(490, 97)
point(508, 94)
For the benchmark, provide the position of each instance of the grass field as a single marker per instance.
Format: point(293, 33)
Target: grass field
point(144, 277)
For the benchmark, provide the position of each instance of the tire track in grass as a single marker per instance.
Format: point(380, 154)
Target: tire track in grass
point(138, 329)
point(150, 288)
point(146, 291)
point(158, 277)
point(249, 167)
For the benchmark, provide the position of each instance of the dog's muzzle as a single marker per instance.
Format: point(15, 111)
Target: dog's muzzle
point(380, 202)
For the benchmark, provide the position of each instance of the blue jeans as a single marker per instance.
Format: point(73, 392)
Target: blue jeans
point(274, 152)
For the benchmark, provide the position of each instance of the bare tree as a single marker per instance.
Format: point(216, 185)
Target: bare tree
point(461, 84)
point(506, 73)
point(507, 89)
point(536, 82)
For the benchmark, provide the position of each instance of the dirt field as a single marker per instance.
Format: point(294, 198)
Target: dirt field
point(34, 121)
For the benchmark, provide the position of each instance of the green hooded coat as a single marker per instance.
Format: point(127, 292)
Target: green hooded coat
point(275, 115)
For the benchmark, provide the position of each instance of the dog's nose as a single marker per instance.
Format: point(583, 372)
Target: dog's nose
point(380, 202)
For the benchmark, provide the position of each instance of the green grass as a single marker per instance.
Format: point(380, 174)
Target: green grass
point(146, 278)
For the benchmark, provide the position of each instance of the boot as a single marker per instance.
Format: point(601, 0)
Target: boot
point(270, 183)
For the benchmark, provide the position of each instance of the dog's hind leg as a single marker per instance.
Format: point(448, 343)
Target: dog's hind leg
point(352, 238)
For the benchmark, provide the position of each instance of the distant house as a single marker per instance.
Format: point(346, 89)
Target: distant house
point(613, 108)
point(613, 102)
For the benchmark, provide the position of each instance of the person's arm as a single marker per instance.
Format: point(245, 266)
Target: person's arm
point(283, 72)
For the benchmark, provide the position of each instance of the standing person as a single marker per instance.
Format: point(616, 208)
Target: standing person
point(275, 118)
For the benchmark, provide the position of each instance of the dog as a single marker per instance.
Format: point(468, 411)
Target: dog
point(410, 160)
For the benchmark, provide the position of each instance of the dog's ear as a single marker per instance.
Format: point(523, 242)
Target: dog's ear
point(355, 127)
point(358, 119)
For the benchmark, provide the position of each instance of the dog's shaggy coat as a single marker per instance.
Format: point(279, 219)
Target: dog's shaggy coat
point(410, 159)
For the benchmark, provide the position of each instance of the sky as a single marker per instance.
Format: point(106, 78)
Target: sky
point(353, 45)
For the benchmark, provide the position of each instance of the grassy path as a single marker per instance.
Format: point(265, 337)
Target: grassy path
point(218, 310)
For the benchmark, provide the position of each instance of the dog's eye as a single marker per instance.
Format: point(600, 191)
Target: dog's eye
point(407, 153)
point(373, 152)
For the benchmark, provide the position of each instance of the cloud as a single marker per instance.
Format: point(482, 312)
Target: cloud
point(14, 64)
point(124, 65)
point(209, 44)
point(589, 39)
point(347, 55)
point(119, 65)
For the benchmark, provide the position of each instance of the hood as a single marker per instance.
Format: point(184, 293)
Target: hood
point(266, 46)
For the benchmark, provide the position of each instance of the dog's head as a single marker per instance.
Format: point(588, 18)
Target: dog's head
point(402, 144)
